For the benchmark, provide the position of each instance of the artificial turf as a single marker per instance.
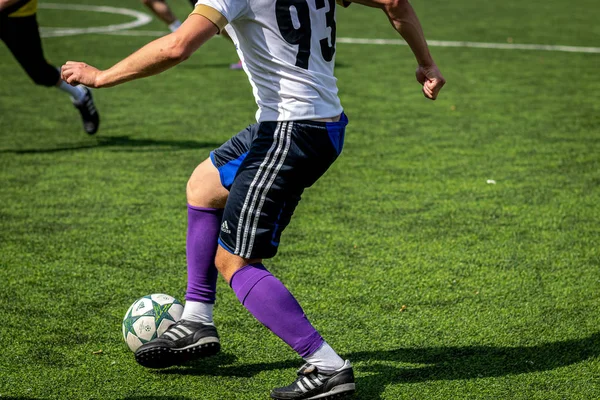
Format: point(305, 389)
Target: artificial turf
point(435, 283)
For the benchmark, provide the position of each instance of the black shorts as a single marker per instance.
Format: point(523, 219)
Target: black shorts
point(266, 167)
point(22, 37)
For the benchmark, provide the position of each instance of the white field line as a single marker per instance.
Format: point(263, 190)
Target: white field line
point(432, 43)
point(143, 19)
point(140, 20)
point(479, 45)
point(139, 33)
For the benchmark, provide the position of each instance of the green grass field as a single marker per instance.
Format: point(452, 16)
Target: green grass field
point(434, 283)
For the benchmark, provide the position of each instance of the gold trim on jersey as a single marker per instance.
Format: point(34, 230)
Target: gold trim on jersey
point(28, 9)
point(212, 15)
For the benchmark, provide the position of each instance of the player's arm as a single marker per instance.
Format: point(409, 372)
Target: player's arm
point(405, 21)
point(6, 3)
point(154, 58)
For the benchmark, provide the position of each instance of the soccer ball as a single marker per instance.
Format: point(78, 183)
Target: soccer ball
point(148, 317)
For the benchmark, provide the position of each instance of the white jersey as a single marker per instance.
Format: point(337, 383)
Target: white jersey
point(287, 48)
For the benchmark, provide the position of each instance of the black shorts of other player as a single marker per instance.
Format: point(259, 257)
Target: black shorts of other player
point(266, 168)
point(22, 37)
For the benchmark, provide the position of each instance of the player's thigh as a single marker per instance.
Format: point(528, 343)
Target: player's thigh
point(204, 187)
point(284, 159)
point(210, 182)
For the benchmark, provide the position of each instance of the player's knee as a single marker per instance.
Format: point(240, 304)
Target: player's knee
point(228, 264)
point(225, 264)
point(44, 76)
point(200, 193)
point(43, 82)
point(204, 187)
point(193, 189)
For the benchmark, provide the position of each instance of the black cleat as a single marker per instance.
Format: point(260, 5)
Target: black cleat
point(89, 114)
point(182, 342)
point(312, 384)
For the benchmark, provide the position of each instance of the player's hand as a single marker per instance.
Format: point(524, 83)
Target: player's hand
point(432, 80)
point(75, 73)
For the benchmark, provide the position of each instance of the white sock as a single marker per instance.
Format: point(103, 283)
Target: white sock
point(174, 25)
point(198, 311)
point(77, 92)
point(325, 359)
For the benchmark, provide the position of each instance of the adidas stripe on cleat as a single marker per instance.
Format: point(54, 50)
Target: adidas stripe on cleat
point(88, 111)
point(312, 384)
point(182, 342)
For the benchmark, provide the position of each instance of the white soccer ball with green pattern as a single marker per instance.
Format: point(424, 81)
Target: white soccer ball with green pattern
point(148, 317)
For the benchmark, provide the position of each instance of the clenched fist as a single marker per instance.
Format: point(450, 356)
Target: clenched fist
point(432, 80)
point(75, 73)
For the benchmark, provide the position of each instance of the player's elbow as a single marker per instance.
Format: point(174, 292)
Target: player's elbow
point(178, 50)
point(180, 54)
point(394, 7)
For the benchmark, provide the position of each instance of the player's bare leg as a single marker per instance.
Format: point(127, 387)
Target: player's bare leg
point(163, 12)
point(204, 188)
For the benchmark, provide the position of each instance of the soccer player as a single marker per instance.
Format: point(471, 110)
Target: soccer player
point(161, 9)
point(19, 30)
point(242, 197)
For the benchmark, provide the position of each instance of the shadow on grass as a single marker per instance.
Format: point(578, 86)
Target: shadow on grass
point(123, 141)
point(18, 398)
point(439, 363)
point(468, 362)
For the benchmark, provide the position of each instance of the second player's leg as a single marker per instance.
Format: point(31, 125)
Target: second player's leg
point(162, 10)
point(22, 37)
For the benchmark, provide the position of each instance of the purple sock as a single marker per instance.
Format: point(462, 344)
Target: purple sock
point(202, 235)
point(274, 306)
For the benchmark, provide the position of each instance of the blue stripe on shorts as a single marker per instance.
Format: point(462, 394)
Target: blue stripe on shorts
point(228, 171)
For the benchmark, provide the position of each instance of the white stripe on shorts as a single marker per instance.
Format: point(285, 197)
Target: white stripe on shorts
point(268, 175)
point(287, 142)
point(238, 235)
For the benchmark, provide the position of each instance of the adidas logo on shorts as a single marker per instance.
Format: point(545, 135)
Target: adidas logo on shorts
point(225, 227)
